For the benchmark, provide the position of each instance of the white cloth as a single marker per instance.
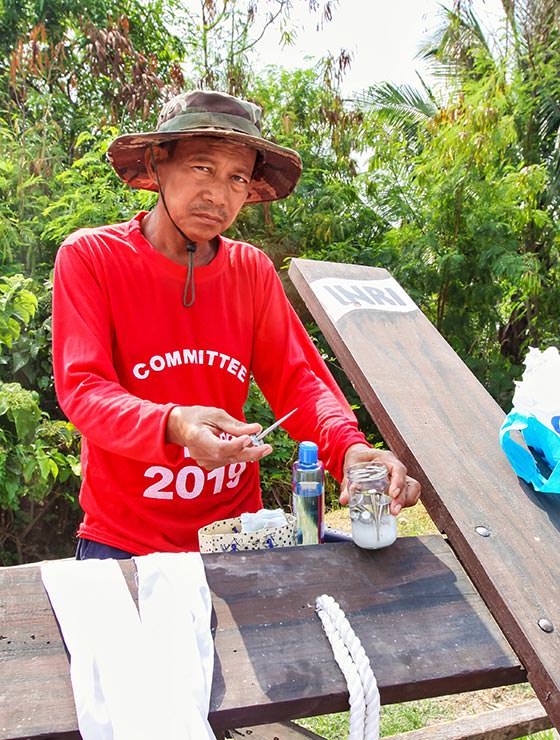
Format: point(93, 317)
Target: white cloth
point(175, 608)
point(262, 519)
point(127, 669)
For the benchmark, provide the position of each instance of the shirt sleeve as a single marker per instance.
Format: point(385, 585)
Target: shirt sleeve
point(291, 373)
point(86, 382)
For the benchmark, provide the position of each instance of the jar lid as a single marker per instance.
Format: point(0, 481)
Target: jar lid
point(367, 471)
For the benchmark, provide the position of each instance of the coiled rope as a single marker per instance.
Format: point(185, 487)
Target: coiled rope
point(354, 664)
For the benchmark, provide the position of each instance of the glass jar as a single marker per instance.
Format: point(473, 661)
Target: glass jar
point(373, 525)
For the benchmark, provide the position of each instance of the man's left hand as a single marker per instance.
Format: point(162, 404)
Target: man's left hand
point(404, 490)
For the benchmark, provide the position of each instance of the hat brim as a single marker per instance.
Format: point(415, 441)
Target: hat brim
point(275, 178)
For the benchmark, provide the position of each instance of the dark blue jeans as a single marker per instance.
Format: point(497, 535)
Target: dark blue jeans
point(87, 549)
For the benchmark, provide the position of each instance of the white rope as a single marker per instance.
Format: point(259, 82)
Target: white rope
point(348, 668)
point(354, 664)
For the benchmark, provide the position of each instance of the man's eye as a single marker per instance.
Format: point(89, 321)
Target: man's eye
point(240, 179)
point(201, 168)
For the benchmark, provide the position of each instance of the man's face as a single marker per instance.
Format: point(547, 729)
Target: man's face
point(205, 182)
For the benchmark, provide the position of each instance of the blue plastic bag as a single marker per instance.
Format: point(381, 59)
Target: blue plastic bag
point(540, 438)
point(536, 416)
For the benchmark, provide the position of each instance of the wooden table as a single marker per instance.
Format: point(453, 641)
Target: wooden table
point(421, 621)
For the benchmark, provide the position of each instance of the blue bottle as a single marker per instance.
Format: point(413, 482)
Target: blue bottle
point(308, 483)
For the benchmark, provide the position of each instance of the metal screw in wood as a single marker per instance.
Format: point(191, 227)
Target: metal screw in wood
point(546, 625)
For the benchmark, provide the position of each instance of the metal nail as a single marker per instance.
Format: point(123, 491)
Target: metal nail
point(546, 625)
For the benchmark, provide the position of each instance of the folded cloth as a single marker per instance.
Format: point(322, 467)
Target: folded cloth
point(175, 606)
point(263, 519)
point(126, 669)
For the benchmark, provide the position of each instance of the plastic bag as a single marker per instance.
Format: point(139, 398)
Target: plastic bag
point(536, 416)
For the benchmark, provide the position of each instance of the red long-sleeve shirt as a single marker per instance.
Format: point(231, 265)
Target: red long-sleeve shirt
point(126, 352)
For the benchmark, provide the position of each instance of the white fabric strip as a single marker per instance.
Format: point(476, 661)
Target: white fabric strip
point(354, 664)
point(128, 677)
point(102, 632)
point(175, 608)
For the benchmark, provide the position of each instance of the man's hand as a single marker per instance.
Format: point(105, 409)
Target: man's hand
point(404, 490)
point(199, 427)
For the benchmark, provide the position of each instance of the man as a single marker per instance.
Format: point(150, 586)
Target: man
point(158, 323)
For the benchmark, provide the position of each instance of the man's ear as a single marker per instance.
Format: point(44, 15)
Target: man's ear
point(153, 156)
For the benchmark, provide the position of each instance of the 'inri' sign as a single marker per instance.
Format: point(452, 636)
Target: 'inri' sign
point(338, 296)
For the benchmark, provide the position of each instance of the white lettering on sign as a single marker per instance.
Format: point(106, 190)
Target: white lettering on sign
point(338, 296)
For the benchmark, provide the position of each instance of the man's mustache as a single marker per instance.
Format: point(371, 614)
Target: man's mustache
point(218, 213)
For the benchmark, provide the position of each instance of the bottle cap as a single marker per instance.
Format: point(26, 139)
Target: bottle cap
point(308, 453)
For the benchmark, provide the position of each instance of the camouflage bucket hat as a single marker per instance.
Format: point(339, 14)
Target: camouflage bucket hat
point(215, 114)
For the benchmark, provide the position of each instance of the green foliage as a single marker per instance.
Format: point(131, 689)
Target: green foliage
point(30, 362)
point(470, 231)
point(35, 452)
point(17, 306)
point(90, 193)
point(402, 106)
point(81, 64)
point(20, 407)
point(39, 456)
point(30, 157)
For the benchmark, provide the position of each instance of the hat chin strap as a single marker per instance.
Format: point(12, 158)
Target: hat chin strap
point(190, 245)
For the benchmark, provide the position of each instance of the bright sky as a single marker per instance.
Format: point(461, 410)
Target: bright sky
point(383, 35)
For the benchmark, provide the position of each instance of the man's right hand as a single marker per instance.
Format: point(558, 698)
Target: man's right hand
point(199, 427)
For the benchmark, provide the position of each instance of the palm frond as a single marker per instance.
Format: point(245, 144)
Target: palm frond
point(455, 48)
point(400, 106)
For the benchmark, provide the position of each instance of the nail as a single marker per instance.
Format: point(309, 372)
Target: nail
point(398, 507)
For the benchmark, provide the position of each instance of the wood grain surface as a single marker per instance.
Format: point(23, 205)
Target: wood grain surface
point(424, 627)
point(439, 419)
point(507, 723)
point(277, 731)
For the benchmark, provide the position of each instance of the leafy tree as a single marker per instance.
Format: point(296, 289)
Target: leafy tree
point(72, 57)
point(222, 35)
point(39, 460)
point(529, 58)
point(468, 189)
point(327, 210)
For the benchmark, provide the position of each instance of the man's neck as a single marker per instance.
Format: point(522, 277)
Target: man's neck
point(163, 236)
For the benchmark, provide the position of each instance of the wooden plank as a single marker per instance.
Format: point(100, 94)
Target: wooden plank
point(422, 623)
point(508, 723)
point(277, 731)
point(439, 419)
